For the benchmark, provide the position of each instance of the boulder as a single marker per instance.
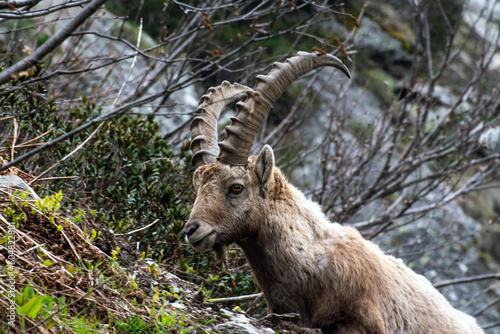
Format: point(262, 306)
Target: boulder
point(11, 183)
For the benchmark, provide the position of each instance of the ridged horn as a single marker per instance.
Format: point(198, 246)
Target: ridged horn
point(235, 148)
point(204, 125)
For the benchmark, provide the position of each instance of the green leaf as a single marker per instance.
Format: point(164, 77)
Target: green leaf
point(71, 268)
point(50, 325)
point(5, 239)
point(47, 263)
point(28, 293)
point(425, 259)
point(32, 307)
point(59, 196)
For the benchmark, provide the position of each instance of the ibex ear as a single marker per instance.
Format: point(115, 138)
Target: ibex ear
point(264, 165)
point(196, 178)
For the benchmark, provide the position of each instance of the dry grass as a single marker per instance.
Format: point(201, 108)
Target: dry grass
point(55, 257)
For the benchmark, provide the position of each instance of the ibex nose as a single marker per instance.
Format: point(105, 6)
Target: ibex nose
point(191, 227)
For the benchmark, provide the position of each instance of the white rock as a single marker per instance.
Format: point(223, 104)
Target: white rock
point(12, 183)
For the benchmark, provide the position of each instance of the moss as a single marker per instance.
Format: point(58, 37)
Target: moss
point(380, 83)
point(390, 21)
point(407, 40)
point(477, 206)
point(488, 243)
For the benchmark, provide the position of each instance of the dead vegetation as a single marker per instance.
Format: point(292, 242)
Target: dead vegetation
point(54, 257)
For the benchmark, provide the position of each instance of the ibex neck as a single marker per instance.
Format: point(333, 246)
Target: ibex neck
point(292, 226)
point(288, 250)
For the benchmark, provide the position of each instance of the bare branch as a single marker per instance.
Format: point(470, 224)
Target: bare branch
point(105, 117)
point(17, 3)
point(467, 280)
point(237, 299)
point(52, 42)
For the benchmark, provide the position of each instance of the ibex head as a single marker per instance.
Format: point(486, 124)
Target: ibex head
point(232, 188)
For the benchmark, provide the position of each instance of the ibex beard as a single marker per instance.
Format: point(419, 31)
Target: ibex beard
point(328, 273)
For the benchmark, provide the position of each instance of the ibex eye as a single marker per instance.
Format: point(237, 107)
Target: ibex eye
point(236, 189)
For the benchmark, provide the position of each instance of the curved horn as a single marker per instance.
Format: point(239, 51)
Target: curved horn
point(235, 148)
point(204, 126)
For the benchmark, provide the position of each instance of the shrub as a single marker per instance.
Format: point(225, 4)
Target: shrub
point(127, 176)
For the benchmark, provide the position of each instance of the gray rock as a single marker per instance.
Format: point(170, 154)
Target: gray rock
point(490, 140)
point(242, 328)
point(380, 47)
point(12, 183)
point(240, 324)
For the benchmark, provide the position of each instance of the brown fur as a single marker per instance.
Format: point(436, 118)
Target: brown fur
point(328, 273)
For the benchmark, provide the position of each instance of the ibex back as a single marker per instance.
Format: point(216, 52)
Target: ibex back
point(328, 273)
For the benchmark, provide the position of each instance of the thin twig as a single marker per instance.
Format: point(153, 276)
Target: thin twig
point(14, 137)
point(31, 249)
point(68, 155)
point(235, 299)
point(57, 178)
point(17, 3)
point(495, 324)
point(467, 280)
point(140, 229)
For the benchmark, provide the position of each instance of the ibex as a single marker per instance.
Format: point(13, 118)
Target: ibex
point(328, 273)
